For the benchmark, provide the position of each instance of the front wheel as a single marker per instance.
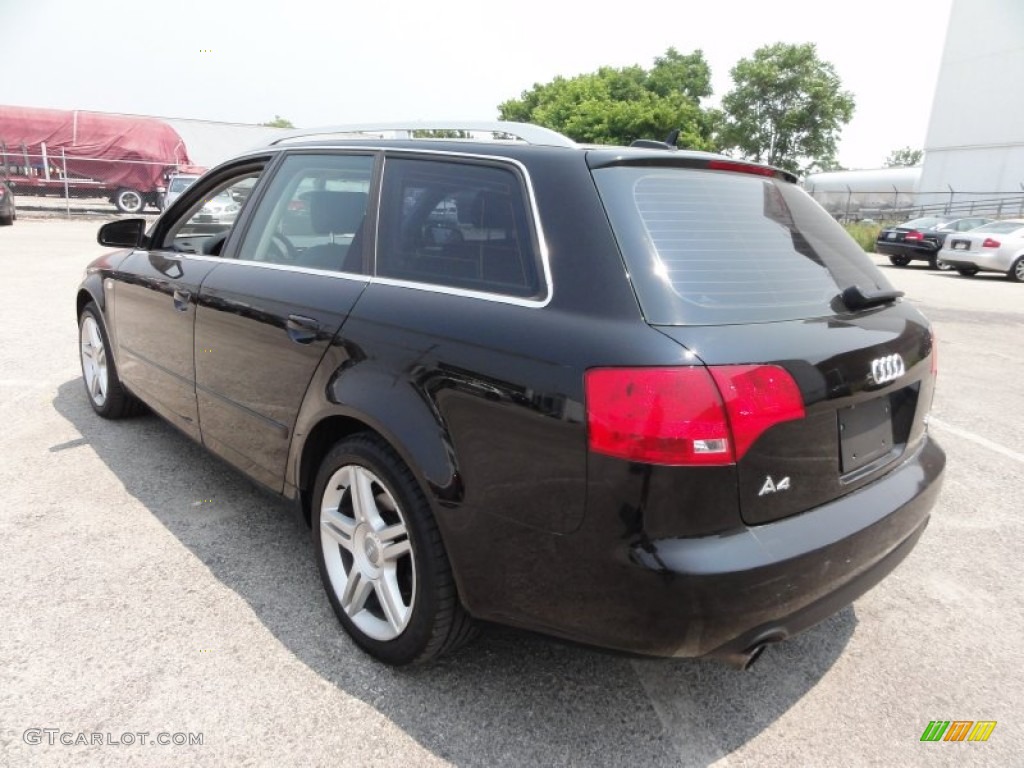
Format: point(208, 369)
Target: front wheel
point(968, 271)
point(129, 200)
point(899, 261)
point(1016, 272)
point(381, 558)
point(106, 394)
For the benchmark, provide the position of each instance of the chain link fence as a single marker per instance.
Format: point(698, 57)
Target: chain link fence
point(895, 205)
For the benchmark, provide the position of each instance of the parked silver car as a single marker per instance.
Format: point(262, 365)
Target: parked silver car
point(222, 208)
point(995, 247)
point(177, 184)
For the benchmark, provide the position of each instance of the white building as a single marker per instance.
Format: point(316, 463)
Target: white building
point(975, 143)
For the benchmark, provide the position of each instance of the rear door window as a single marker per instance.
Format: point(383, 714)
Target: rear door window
point(712, 248)
point(457, 224)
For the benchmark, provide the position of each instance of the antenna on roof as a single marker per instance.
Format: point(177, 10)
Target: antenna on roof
point(668, 143)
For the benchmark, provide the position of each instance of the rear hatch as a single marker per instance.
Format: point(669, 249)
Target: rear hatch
point(742, 268)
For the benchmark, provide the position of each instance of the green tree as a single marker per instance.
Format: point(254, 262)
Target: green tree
point(618, 105)
point(787, 108)
point(900, 158)
point(278, 122)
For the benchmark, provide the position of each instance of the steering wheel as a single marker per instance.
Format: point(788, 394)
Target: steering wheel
point(285, 250)
point(211, 246)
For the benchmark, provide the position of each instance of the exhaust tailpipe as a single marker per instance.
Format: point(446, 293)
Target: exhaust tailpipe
point(743, 660)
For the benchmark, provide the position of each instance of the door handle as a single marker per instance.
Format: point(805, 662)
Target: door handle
point(182, 299)
point(302, 330)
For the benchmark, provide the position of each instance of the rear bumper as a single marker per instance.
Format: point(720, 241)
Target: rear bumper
point(725, 594)
point(990, 261)
point(926, 251)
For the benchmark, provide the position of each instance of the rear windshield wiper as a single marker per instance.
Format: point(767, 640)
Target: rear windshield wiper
point(855, 297)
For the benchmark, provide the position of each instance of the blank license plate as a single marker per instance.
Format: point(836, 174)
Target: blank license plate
point(865, 433)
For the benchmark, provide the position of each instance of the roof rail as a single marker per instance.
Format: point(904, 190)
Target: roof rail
point(491, 130)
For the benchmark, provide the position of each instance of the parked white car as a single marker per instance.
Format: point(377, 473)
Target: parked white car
point(177, 184)
point(995, 247)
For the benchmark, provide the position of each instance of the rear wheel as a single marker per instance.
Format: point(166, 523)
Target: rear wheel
point(99, 373)
point(1016, 272)
point(129, 200)
point(968, 271)
point(381, 558)
point(900, 260)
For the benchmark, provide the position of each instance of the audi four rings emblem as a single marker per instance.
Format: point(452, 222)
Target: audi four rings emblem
point(886, 369)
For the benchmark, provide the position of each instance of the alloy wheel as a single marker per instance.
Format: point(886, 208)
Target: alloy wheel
point(94, 361)
point(367, 552)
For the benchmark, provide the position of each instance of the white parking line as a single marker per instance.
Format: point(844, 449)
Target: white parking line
point(982, 441)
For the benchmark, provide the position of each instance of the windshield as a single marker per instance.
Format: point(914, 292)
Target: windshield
point(926, 223)
point(713, 248)
point(179, 185)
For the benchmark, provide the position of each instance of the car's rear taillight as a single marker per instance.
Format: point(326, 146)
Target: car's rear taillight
point(687, 415)
point(757, 397)
point(913, 236)
point(990, 243)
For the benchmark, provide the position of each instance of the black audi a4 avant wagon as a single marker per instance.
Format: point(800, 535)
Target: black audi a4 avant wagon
point(643, 398)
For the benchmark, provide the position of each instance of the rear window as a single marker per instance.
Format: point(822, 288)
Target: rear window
point(716, 248)
point(1003, 227)
point(926, 223)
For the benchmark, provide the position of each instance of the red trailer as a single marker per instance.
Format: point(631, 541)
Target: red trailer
point(89, 154)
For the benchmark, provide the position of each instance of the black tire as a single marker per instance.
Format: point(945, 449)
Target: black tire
point(129, 200)
point(1016, 273)
point(115, 402)
point(967, 271)
point(436, 622)
point(943, 266)
point(899, 261)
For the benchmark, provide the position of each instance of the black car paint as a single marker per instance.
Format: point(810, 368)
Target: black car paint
point(541, 533)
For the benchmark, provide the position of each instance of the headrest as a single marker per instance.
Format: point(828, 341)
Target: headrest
point(493, 211)
point(338, 213)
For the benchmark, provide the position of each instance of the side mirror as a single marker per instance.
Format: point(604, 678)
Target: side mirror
point(124, 233)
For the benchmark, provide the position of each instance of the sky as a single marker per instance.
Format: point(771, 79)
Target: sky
point(328, 63)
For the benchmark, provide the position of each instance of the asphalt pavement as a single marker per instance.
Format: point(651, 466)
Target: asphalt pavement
point(151, 592)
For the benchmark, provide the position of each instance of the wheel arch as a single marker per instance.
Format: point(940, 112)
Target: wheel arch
point(336, 425)
point(89, 293)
